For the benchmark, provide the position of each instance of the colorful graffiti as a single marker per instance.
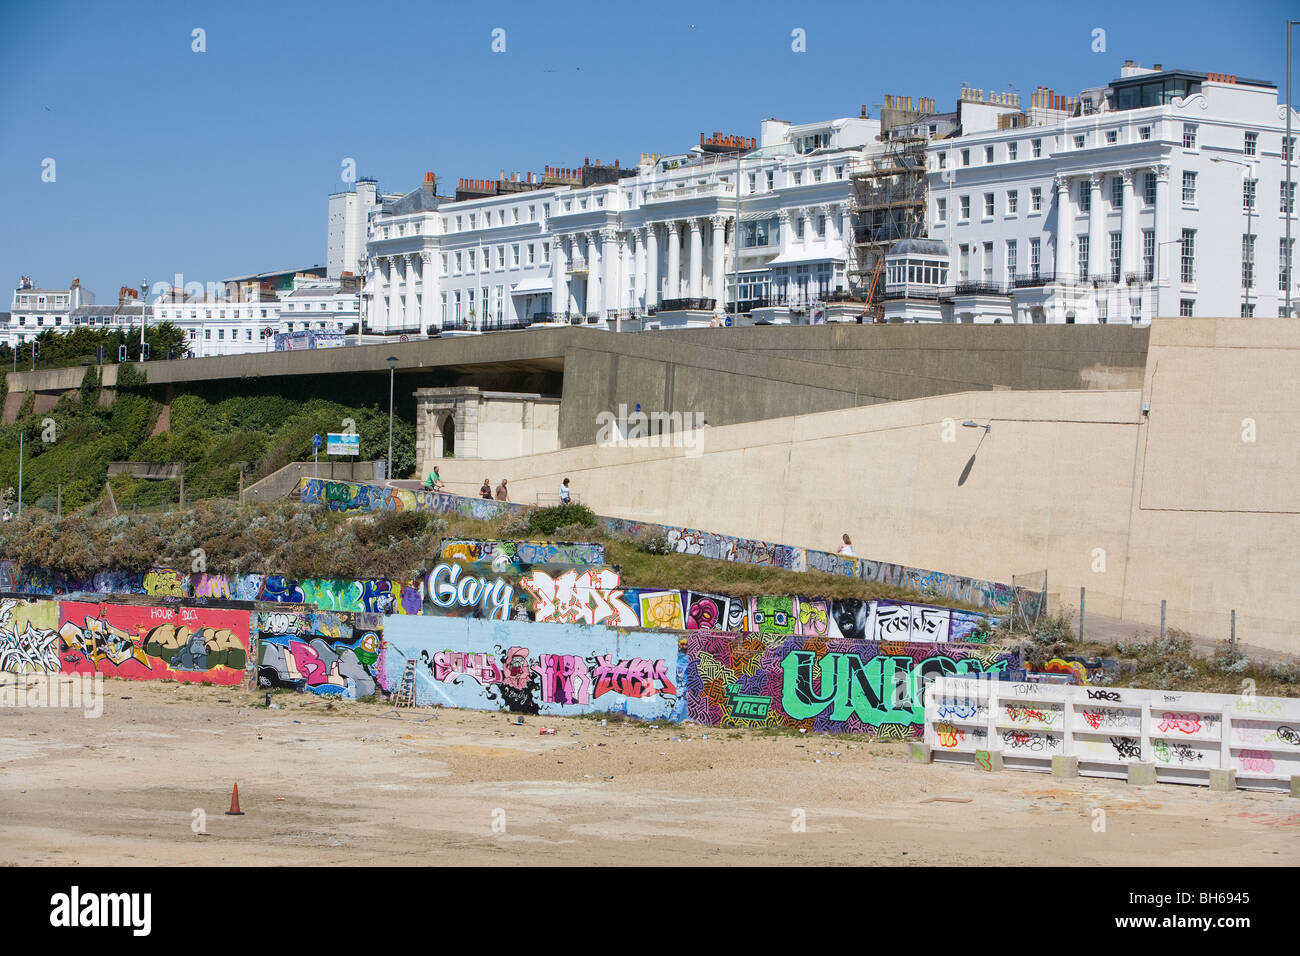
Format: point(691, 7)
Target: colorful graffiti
point(323, 652)
point(355, 496)
point(524, 552)
point(142, 642)
point(594, 596)
point(515, 666)
point(827, 684)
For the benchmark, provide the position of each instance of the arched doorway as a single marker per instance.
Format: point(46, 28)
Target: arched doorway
point(447, 431)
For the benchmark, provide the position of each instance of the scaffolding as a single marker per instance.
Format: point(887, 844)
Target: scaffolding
point(889, 191)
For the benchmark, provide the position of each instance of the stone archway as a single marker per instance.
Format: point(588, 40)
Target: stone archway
point(444, 442)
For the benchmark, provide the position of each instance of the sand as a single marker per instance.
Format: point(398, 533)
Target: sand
point(359, 783)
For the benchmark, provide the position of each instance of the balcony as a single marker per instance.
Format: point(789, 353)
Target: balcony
point(697, 191)
point(1033, 279)
point(577, 266)
point(978, 287)
point(911, 290)
point(682, 305)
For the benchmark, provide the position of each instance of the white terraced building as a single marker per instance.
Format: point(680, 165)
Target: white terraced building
point(680, 239)
point(34, 310)
point(1163, 193)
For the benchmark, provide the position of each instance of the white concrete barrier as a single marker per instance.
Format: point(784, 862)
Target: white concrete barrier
point(1185, 735)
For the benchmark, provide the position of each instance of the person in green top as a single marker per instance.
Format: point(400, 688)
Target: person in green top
point(434, 480)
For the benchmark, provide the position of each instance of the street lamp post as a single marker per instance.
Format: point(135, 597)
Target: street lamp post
point(1289, 150)
point(144, 288)
point(1249, 243)
point(392, 371)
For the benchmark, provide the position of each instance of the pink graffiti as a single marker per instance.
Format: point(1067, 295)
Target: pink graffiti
point(1187, 723)
point(479, 666)
point(309, 664)
point(634, 678)
point(1256, 760)
point(565, 679)
point(516, 672)
point(589, 597)
point(210, 585)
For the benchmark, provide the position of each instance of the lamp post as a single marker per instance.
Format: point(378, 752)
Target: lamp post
point(144, 288)
point(1159, 271)
point(1246, 170)
point(392, 371)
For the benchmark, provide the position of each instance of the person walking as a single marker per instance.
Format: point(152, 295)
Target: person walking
point(486, 490)
point(846, 548)
point(502, 493)
point(564, 492)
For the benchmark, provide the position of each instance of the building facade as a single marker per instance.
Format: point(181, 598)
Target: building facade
point(34, 310)
point(681, 239)
point(1162, 193)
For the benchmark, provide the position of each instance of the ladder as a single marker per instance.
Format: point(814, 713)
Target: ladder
point(406, 690)
point(871, 293)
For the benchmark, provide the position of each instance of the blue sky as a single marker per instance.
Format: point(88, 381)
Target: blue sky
point(220, 163)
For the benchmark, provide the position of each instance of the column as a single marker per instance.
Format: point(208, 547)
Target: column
point(783, 220)
point(833, 226)
point(427, 293)
point(613, 260)
point(559, 268)
point(651, 266)
point(1129, 237)
point(1164, 274)
point(719, 262)
point(1064, 229)
point(674, 286)
point(696, 286)
point(1098, 242)
point(639, 264)
point(805, 220)
point(627, 282)
point(595, 288)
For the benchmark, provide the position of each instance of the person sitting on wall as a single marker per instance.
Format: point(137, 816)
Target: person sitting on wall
point(502, 493)
point(564, 492)
point(847, 548)
point(486, 490)
point(434, 481)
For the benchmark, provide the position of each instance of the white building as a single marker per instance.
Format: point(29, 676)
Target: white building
point(1162, 193)
point(670, 242)
point(349, 215)
point(34, 310)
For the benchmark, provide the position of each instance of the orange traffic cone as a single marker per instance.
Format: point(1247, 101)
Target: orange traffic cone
point(234, 810)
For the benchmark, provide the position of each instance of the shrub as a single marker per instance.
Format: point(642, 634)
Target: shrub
point(546, 521)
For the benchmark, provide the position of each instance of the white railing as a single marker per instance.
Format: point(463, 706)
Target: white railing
point(1184, 735)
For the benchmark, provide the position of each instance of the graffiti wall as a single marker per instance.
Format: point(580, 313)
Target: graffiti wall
point(143, 642)
point(29, 636)
point(515, 666)
point(830, 685)
point(524, 552)
point(988, 595)
point(324, 652)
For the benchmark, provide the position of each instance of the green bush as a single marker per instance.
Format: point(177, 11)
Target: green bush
point(544, 522)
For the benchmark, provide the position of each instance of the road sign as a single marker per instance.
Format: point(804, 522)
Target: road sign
point(343, 443)
point(315, 442)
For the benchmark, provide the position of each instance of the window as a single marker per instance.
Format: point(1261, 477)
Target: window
point(798, 177)
point(501, 257)
point(1035, 256)
point(444, 263)
point(798, 227)
point(1286, 198)
point(988, 262)
point(1148, 254)
point(472, 220)
point(1117, 192)
point(1248, 194)
point(821, 227)
point(1189, 136)
point(1036, 145)
point(1083, 256)
point(1013, 201)
point(1247, 311)
point(532, 213)
point(1114, 256)
point(470, 256)
point(1112, 136)
point(1186, 307)
point(1011, 259)
point(1079, 141)
point(965, 157)
point(965, 207)
point(514, 256)
point(1189, 188)
point(1251, 146)
point(1248, 262)
point(817, 175)
point(1149, 189)
point(943, 160)
point(753, 182)
point(941, 210)
point(532, 254)
point(1144, 132)
point(1284, 263)
point(1012, 149)
point(1035, 198)
point(1288, 149)
point(988, 204)
point(988, 154)
point(839, 172)
point(1188, 256)
point(963, 262)
point(546, 253)
point(1085, 196)
point(769, 180)
point(459, 263)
